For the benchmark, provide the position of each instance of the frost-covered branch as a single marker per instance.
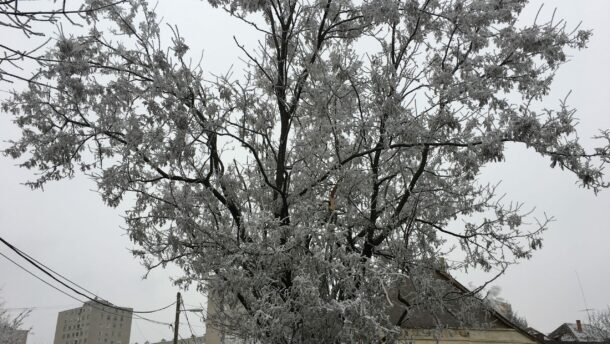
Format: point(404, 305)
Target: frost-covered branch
point(18, 18)
point(308, 190)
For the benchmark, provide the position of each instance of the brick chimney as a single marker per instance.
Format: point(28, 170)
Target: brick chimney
point(578, 326)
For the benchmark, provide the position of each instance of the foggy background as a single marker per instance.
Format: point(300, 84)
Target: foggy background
point(68, 228)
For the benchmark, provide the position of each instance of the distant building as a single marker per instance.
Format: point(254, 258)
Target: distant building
point(575, 333)
point(214, 333)
point(12, 336)
point(93, 323)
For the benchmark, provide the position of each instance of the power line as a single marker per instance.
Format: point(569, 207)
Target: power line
point(96, 298)
point(30, 259)
point(202, 317)
point(53, 271)
point(40, 279)
point(140, 331)
point(37, 307)
point(152, 320)
point(77, 299)
point(161, 334)
point(188, 321)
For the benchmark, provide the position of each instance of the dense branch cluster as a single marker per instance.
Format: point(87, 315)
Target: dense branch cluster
point(342, 164)
point(600, 324)
point(24, 20)
point(11, 325)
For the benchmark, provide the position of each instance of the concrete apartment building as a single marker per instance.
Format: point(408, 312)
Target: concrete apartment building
point(93, 323)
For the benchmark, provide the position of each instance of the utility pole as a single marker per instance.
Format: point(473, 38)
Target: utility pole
point(177, 318)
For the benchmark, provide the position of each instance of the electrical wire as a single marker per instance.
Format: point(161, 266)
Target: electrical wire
point(95, 299)
point(53, 271)
point(140, 331)
point(40, 279)
point(187, 320)
point(38, 307)
point(77, 299)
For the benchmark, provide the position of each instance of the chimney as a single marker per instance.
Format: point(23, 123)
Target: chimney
point(578, 326)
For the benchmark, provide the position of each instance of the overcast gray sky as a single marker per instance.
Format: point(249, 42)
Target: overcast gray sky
point(69, 228)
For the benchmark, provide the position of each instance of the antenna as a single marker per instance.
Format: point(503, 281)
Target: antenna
point(584, 299)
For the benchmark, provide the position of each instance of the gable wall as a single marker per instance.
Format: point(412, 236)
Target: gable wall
point(491, 336)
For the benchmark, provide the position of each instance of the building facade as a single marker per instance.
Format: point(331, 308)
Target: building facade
point(494, 335)
point(213, 333)
point(94, 323)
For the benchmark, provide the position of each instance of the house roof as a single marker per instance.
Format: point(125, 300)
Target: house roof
point(569, 332)
point(483, 312)
point(494, 312)
point(537, 334)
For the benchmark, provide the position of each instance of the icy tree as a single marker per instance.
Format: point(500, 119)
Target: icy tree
point(600, 324)
point(11, 325)
point(340, 166)
point(26, 20)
